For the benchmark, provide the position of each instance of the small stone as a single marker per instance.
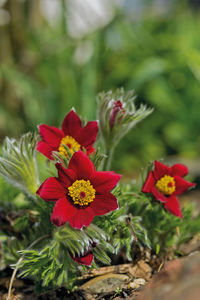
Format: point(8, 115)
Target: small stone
point(105, 283)
point(141, 270)
point(137, 283)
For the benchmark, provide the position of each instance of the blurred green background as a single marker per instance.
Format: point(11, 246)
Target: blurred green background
point(59, 54)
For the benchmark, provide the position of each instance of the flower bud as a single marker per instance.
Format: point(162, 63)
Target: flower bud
point(117, 110)
point(117, 114)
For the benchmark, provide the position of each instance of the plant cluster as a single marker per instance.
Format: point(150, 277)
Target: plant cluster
point(72, 211)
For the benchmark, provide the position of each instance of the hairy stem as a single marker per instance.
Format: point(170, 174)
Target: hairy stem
point(18, 263)
point(108, 159)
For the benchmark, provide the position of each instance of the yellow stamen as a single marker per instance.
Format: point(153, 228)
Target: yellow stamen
point(166, 185)
point(71, 143)
point(82, 192)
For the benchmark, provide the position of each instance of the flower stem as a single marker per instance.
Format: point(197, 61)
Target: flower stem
point(108, 159)
point(129, 223)
point(18, 263)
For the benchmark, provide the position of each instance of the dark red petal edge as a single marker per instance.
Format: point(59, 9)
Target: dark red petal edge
point(103, 204)
point(51, 189)
point(66, 176)
point(81, 165)
point(84, 260)
point(173, 206)
point(51, 135)
point(72, 125)
point(182, 185)
point(88, 134)
point(63, 211)
point(83, 217)
point(160, 170)
point(45, 149)
point(149, 183)
point(104, 181)
point(158, 195)
point(179, 170)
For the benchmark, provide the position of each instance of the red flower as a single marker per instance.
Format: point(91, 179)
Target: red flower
point(86, 258)
point(72, 135)
point(79, 192)
point(165, 183)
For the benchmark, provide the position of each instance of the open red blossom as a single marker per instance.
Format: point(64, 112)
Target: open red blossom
point(71, 134)
point(165, 183)
point(80, 192)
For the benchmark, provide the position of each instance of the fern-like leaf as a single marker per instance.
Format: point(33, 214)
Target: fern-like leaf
point(18, 164)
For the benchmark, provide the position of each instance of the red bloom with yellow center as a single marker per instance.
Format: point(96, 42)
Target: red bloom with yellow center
point(71, 134)
point(165, 183)
point(80, 192)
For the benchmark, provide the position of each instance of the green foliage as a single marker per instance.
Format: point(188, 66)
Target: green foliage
point(45, 266)
point(21, 224)
point(97, 158)
point(163, 230)
point(154, 227)
point(120, 228)
point(22, 229)
point(18, 165)
point(8, 194)
point(53, 265)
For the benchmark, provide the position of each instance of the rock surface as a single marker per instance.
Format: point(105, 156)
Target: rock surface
point(179, 279)
point(105, 283)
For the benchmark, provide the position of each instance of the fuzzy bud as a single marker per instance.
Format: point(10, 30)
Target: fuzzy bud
point(117, 109)
point(117, 115)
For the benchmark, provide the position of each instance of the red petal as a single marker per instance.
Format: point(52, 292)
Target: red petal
point(103, 204)
point(149, 183)
point(173, 206)
point(160, 170)
point(104, 181)
point(84, 260)
point(158, 195)
point(81, 165)
point(45, 149)
point(88, 134)
point(83, 217)
point(51, 189)
point(66, 176)
point(51, 135)
point(179, 170)
point(182, 185)
point(71, 124)
point(63, 211)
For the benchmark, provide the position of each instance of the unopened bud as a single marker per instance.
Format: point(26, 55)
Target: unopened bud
point(117, 108)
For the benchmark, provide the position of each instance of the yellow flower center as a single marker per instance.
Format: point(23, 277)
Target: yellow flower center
point(166, 185)
point(71, 143)
point(82, 192)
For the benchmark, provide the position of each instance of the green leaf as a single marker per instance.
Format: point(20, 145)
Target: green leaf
point(18, 164)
